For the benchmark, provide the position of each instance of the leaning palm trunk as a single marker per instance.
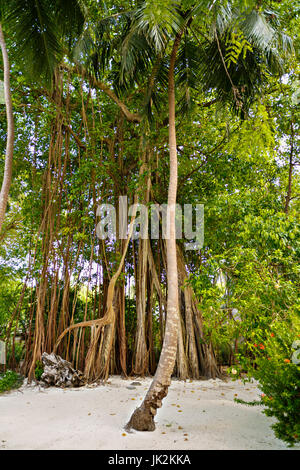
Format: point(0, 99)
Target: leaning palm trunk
point(10, 132)
point(142, 418)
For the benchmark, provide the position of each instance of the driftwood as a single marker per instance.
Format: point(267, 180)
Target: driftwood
point(59, 373)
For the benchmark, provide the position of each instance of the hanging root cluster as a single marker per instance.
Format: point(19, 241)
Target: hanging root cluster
point(91, 322)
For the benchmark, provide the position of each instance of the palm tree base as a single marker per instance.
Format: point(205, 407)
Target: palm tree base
point(142, 419)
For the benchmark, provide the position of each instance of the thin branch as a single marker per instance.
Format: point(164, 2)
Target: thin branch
point(78, 69)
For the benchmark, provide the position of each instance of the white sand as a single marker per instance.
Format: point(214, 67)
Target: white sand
point(195, 415)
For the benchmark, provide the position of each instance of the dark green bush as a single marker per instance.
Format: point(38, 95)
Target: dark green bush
point(39, 369)
point(278, 373)
point(10, 380)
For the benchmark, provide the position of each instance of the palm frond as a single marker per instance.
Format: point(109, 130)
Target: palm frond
point(243, 81)
point(187, 72)
point(136, 56)
point(99, 42)
point(155, 88)
point(258, 30)
point(38, 29)
point(35, 33)
point(244, 49)
point(156, 20)
point(262, 29)
point(225, 17)
point(70, 17)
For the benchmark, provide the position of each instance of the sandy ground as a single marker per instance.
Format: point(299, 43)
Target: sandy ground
point(195, 415)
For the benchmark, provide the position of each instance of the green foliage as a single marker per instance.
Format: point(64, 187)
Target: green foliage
point(255, 139)
point(39, 369)
point(236, 44)
point(130, 322)
point(9, 381)
point(278, 373)
point(18, 353)
point(41, 31)
point(248, 403)
point(257, 275)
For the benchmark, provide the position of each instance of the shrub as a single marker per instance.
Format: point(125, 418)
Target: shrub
point(278, 373)
point(39, 369)
point(10, 380)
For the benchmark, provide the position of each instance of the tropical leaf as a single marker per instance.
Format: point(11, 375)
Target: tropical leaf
point(39, 30)
point(187, 77)
point(236, 61)
point(157, 20)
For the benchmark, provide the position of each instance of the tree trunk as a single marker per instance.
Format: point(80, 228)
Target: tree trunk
point(141, 355)
point(10, 132)
point(291, 164)
point(121, 334)
point(182, 370)
point(141, 359)
point(142, 418)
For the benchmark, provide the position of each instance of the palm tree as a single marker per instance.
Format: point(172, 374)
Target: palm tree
point(143, 417)
point(10, 131)
point(234, 60)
